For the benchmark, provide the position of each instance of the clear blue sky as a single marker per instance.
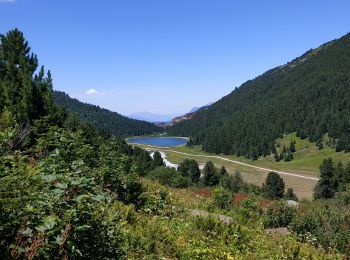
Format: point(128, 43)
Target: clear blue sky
point(167, 56)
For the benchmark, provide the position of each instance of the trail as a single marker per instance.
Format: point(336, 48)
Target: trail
point(240, 163)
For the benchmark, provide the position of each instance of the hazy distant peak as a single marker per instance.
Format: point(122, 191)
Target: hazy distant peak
point(152, 117)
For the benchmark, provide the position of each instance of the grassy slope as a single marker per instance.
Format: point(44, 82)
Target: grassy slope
point(187, 237)
point(307, 159)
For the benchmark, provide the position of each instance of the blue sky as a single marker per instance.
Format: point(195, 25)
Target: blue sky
point(167, 56)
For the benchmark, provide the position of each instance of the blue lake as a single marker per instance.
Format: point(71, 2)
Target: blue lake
point(159, 141)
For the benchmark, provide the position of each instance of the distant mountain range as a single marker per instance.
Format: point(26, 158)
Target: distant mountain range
point(181, 118)
point(152, 117)
point(163, 119)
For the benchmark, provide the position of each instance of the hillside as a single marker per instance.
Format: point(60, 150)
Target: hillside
point(309, 95)
point(111, 122)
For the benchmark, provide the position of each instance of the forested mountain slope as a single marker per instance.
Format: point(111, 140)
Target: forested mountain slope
point(309, 95)
point(111, 122)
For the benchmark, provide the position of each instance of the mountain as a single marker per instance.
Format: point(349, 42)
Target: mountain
point(189, 115)
point(165, 120)
point(111, 122)
point(309, 95)
point(152, 117)
point(195, 109)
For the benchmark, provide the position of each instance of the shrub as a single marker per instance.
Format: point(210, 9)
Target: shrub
point(279, 214)
point(222, 198)
point(233, 183)
point(290, 195)
point(169, 177)
point(249, 210)
point(326, 226)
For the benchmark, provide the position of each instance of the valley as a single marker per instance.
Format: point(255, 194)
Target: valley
point(301, 174)
point(261, 173)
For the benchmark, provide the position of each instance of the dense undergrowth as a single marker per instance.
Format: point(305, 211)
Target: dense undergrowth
point(60, 198)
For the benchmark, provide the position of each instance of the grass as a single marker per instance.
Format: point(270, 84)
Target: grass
point(307, 159)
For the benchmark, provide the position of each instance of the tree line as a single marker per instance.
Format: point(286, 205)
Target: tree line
point(108, 121)
point(188, 174)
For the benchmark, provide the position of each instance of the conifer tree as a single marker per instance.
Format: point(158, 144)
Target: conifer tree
point(273, 187)
point(17, 67)
point(223, 172)
point(326, 186)
point(211, 176)
point(237, 182)
point(157, 159)
point(26, 96)
point(277, 157)
point(290, 195)
point(292, 146)
point(189, 142)
point(189, 168)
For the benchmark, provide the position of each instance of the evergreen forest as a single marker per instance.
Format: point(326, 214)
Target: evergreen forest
point(309, 95)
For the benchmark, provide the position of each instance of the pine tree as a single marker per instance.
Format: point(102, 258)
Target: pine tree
point(277, 157)
point(326, 186)
point(189, 142)
point(211, 176)
point(292, 147)
point(223, 172)
point(284, 150)
point(320, 144)
point(273, 187)
point(288, 156)
point(290, 195)
point(190, 168)
point(157, 159)
point(17, 67)
point(26, 96)
point(237, 182)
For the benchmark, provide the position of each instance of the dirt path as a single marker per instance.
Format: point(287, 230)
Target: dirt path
point(241, 163)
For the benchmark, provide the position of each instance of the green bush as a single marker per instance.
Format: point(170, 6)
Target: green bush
point(279, 214)
point(222, 198)
point(324, 225)
point(169, 177)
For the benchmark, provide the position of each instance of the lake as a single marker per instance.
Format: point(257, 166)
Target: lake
point(159, 141)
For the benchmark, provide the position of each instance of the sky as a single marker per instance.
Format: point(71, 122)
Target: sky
point(168, 56)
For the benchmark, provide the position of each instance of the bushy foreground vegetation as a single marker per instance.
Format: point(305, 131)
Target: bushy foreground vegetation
point(69, 191)
point(63, 199)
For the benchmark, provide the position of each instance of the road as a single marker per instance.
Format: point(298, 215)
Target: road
point(241, 163)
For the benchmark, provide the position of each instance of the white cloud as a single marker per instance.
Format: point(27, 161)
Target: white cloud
point(7, 1)
point(93, 93)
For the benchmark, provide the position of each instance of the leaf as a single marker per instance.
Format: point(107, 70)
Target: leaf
point(49, 223)
point(62, 186)
point(83, 227)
